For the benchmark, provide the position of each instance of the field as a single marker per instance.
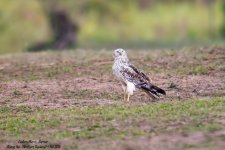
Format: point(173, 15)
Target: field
point(119, 23)
point(71, 99)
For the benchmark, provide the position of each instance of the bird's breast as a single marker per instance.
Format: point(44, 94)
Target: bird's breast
point(117, 68)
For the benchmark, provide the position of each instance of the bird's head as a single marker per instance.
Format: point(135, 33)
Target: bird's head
point(120, 53)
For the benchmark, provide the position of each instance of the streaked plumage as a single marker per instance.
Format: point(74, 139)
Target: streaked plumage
point(131, 78)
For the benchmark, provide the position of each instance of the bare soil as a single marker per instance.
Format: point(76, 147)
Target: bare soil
point(72, 92)
point(78, 79)
point(95, 84)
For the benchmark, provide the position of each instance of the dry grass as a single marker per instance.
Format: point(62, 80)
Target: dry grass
point(72, 98)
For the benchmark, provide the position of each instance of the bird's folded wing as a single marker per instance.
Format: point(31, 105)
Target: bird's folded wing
point(146, 78)
point(132, 74)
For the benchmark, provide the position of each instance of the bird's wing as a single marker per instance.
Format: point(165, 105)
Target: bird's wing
point(135, 76)
point(141, 74)
point(141, 81)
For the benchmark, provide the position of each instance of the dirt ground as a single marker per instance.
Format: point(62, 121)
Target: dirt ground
point(67, 90)
point(78, 79)
point(71, 92)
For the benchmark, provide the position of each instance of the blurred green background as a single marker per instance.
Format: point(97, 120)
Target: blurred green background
point(114, 23)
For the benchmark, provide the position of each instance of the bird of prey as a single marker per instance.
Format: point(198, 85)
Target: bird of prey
point(131, 78)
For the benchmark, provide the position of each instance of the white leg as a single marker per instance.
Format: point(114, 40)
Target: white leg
point(130, 90)
point(128, 97)
point(124, 88)
point(124, 96)
point(124, 92)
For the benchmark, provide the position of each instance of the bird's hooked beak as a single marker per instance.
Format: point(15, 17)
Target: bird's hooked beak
point(117, 53)
point(114, 55)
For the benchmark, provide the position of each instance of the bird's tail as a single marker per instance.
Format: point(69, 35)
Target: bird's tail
point(153, 91)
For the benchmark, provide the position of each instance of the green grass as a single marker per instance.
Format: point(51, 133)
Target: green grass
point(179, 24)
point(111, 121)
point(89, 115)
point(90, 94)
